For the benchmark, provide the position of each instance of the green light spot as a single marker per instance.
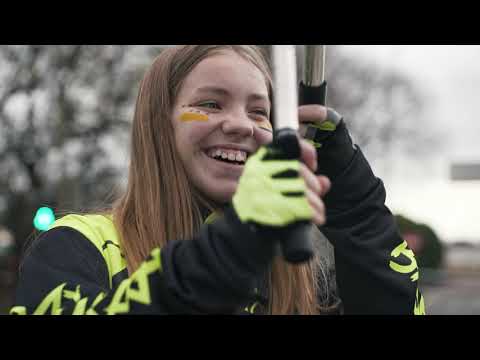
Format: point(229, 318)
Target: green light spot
point(44, 218)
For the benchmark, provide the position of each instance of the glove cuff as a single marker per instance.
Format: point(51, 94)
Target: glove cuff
point(336, 152)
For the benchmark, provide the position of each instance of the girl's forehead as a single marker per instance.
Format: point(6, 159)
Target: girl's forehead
point(226, 68)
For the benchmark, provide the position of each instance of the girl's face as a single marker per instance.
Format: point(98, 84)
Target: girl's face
point(221, 116)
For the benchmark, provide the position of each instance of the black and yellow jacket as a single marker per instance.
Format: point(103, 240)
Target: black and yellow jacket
point(77, 267)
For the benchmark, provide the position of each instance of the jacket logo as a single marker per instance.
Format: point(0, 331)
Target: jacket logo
point(408, 268)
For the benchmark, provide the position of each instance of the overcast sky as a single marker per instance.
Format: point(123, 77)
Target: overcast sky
point(450, 77)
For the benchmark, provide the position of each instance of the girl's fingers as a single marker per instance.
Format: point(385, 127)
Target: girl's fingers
point(320, 185)
point(312, 113)
point(319, 214)
point(325, 185)
point(310, 180)
point(308, 155)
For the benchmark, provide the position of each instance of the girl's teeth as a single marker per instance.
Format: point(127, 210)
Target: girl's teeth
point(239, 156)
point(232, 155)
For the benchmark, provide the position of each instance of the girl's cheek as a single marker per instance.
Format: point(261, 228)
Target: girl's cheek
point(263, 136)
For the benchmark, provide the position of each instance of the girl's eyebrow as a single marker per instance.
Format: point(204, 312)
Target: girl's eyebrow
point(213, 89)
point(224, 92)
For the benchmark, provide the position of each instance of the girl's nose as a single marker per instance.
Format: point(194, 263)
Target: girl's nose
point(238, 125)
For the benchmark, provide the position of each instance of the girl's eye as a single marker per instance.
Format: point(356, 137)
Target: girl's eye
point(209, 105)
point(261, 112)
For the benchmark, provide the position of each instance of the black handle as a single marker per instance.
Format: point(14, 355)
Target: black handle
point(296, 241)
point(313, 95)
point(317, 95)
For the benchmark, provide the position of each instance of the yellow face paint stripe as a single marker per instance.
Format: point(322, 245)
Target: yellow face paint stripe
point(191, 116)
point(265, 125)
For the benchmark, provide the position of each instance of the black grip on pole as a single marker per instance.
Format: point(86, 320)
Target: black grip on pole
point(316, 95)
point(313, 95)
point(296, 241)
point(297, 246)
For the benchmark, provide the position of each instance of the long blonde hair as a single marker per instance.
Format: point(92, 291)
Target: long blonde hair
point(160, 204)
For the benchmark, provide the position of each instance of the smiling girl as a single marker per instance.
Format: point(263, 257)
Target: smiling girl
point(188, 235)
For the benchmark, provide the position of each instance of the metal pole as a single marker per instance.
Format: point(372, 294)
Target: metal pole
point(314, 65)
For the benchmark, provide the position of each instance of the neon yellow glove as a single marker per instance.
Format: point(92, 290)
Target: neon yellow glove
point(271, 191)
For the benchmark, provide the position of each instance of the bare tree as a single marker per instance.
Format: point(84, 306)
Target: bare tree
point(60, 108)
point(384, 107)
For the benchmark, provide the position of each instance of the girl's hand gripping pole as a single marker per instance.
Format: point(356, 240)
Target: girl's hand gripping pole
point(296, 241)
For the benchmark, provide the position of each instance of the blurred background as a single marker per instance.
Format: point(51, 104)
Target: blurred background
point(65, 115)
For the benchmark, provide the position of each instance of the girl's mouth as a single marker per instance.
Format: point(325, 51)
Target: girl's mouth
point(229, 156)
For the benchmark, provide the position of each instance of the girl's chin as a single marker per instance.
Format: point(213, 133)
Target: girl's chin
point(222, 194)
